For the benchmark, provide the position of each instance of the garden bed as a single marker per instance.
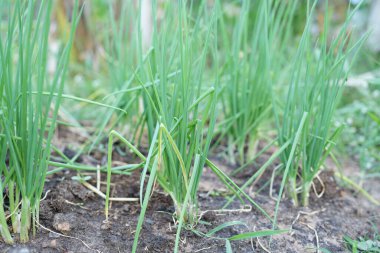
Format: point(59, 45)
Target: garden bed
point(71, 209)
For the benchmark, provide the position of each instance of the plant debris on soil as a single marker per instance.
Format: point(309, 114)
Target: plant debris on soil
point(72, 217)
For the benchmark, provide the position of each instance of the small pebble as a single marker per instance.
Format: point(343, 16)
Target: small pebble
point(105, 226)
point(62, 227)
point(63, 222)
point(126, 208)
point(149, 221)
point(53, 244)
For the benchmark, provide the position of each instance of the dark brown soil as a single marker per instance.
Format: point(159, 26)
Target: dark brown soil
point(77, 213)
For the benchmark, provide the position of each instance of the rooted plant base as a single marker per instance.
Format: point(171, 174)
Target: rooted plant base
point(73, 210)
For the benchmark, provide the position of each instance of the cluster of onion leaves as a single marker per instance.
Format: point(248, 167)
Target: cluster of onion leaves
point(30, 98)
point(318, 75)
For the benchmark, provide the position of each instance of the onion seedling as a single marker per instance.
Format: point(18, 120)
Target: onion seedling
point(120, 42)
point(27, 115)
point(318, 77)
point(179, 110)
point(254, 52)
point(182, 105)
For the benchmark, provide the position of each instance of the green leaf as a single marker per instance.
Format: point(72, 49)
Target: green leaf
point(374, 117)
point(256, 234)
point(224, 225)
point(228, 247)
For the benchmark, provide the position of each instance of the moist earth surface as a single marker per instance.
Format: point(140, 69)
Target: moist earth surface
point(72, 216)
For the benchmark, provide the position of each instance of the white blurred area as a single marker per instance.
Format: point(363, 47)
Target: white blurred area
point(368, 19)
point(374, 26)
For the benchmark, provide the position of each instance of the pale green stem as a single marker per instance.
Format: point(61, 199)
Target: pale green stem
point(25, 220)
point(292, 189)
point(3, 224)
point(13, 206)
point(306, 193)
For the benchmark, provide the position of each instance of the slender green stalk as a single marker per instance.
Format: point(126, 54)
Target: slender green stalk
point(289, 163)
point(260, 171)
point(185, 203)
point(13, 205)
point(357, 188)
point(145, 199)
point(4, 231)
point(25, 220)
point(109, 163)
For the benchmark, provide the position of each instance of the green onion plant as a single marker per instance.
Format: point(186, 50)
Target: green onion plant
point(179, 109)
point(319, 73)
point(255, 52)
point(27, 114)
point(181, 104)
point(120, 41)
